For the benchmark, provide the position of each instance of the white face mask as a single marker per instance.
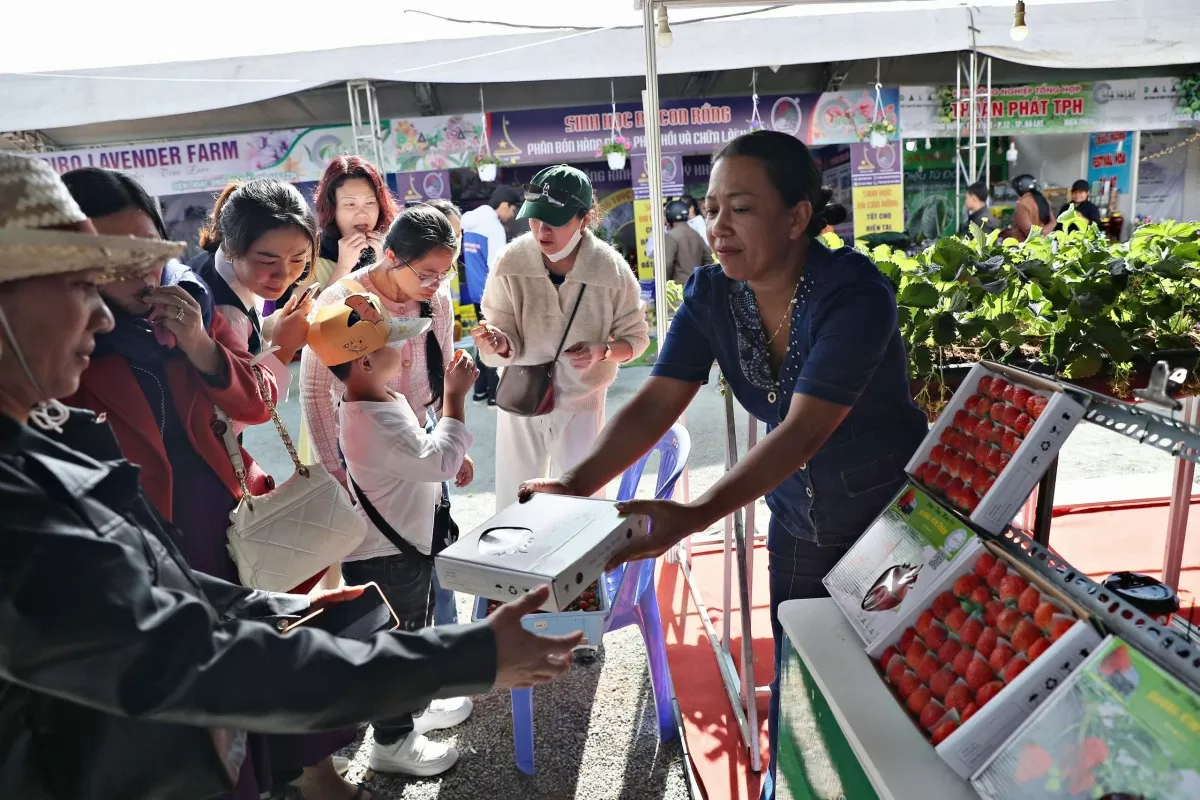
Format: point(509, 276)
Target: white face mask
point(571, 244)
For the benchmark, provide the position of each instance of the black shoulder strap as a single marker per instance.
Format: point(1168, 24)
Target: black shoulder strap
point(405, 547)
point(567, 330)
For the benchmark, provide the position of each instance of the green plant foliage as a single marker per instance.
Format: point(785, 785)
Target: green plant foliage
point(1072, 303)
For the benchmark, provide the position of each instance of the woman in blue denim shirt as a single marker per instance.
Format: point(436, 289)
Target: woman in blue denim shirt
point(808, 341)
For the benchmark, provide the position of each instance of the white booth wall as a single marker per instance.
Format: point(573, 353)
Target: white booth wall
point(1055, 159)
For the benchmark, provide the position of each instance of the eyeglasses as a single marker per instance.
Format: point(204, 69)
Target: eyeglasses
point(429, 280)
point(539, 191)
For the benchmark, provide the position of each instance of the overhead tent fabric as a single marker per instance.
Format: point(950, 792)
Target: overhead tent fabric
point(136, 59)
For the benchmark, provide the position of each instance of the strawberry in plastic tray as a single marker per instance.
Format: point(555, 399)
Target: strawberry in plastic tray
point(587, 602)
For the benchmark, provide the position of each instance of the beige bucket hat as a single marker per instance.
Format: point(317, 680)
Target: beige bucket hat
point(44, 232)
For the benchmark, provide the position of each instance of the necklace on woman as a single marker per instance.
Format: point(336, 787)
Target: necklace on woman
point(162, 400)
point(787, 315)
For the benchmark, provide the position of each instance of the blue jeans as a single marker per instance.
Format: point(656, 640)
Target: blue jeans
point(445, 612)
point(796, 567)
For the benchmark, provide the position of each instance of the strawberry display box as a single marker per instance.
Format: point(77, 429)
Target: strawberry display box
point(896, 563)
point(1119, 727)
point(994, 441)
point(585, 613)
point(973, 663)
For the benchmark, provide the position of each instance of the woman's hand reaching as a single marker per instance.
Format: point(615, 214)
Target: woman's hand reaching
point(178, 321)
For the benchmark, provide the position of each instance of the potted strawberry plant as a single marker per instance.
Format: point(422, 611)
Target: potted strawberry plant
point(486, 165)
point(878, 133)
point(616, 151)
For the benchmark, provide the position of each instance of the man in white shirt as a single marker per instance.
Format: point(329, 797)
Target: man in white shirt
point(695, 218)
point(484, 238)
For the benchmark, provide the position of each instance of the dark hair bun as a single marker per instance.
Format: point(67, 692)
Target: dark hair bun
point(825, 213)
point(835, 214)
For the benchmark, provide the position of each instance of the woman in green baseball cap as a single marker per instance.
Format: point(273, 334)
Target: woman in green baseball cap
point(559, 301)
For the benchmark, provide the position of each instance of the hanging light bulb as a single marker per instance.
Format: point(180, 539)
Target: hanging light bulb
point(1019, 30)
point(911, 145)
point(1011, 155)
point(928, 143)
point(665, 37)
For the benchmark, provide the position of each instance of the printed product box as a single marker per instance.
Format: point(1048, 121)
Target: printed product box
point(563, 542)
point(994, 441)
point(972, 662)
point(1119, 727)
point(897, 562)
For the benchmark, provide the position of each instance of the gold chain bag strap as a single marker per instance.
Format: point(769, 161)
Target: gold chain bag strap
point(308, 523)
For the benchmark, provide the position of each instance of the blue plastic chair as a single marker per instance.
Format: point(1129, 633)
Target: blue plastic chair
point(632, 601)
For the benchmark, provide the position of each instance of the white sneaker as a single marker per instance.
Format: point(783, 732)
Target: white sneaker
point(443, 714)
point(414, 755)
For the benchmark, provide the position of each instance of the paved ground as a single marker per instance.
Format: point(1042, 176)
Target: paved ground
point(595, 733)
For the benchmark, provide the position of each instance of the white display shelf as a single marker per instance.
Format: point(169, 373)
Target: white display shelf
point(898, 761)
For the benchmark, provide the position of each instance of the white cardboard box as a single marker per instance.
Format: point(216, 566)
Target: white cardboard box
point(895, 565)
point(1004, 499)
point(563, 542)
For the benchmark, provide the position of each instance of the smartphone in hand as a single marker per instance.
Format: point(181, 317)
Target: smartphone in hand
point(360, 618)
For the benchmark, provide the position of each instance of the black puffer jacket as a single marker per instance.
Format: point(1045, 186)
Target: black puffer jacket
point(115, 657)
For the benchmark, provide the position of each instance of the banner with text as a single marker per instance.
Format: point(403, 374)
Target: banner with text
point(421, 187)
point(1161, 185)
point(877, 178)
point(1118, 105)
point(1108, 157)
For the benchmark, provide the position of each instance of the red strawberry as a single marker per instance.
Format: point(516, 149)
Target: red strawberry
point(954, 489)
point(915, 652)
point(1093, 753)
point(968, 468)
point(980, 450)
point(1036, 405)
point(1015, 668)
point(973, 402)
point(886, 658)
point(983, 429)
point(1011, 588)
point(906, 639)
point(970, 500)
point(936, 637)
point(1033, 763)
point(955, 619)
point(1029, 600)
point(962, 661)
point(947, 438)
point(896, 670)
point(997, 412)
point(949, 649)
point(1011, 443)
point(918, 700)
point(1023, 424)
point(970, 631)
point(938, 454)
point(908, 683)
point(985, 385)
point(1081, 782)
point(997, 574)
point(923, 622)
point(941, 481)
point(941, 681)
point(1020, 396)
point(942, 732)
point(961, 418)
point(1060, 625)
point(978, 674)
point(987, 692)
point(1009, 618)
point(1044, 614)
point(980, 595)
point(1037, 648)
point(992, 462)
point(1002, 653)
point(1009, 418)
point(943, 604)
point(968, 712)
point(1007, 394)
point(981, 475)
point(927, 667)
point(987, 642)
point(982, 406)
point(1004, 459)
point(967, 584)
point(1116, 661)
point(996, 436)
point(1024, 635)
point(931, 715)
point(984, 564)
point(959, 696)
point(992, 612)
point(986, 486)
point(996, 390)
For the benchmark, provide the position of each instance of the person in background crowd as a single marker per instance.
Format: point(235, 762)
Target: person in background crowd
point(124, 673)
point(1032, 211)
point(169, 348)
point(484, 239)
point(685, 249)
point(397, 471)
point(354, 210)
point(540, 282)
point(1080, 190)
point(978, 212)
point(808, 341)
point(695, 218)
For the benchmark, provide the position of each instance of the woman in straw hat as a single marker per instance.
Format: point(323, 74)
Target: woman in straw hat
point(124, 674)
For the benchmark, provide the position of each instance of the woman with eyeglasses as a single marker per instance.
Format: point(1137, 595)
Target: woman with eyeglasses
point(558, 285)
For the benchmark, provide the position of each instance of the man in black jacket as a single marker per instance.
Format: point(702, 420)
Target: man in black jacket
point(1083, 206)
point(977, 210)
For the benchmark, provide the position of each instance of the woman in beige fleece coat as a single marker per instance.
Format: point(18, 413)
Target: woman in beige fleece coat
point(540, 280)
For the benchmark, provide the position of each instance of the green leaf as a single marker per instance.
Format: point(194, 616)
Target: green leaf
point(918, 295)
point(1085, 362)
point(1035, 269)
point(995, 287)
point(945, 327)
point(922, 359)
point(958, 301)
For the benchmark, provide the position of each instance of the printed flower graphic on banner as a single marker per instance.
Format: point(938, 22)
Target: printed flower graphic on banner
point(462, 135)
point(436, 161)
point(408, 138)
point(267, 150)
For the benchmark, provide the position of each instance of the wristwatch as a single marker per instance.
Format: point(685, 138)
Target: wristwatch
point(607, 352)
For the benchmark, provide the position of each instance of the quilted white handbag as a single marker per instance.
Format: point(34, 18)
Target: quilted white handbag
point(304, 525)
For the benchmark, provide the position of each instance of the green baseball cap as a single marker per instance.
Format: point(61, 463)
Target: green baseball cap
point(556, 195)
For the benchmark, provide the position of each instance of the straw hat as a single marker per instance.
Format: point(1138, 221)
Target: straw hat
point(43, 231)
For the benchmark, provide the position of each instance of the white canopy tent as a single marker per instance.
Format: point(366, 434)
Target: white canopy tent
point(111, 67)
